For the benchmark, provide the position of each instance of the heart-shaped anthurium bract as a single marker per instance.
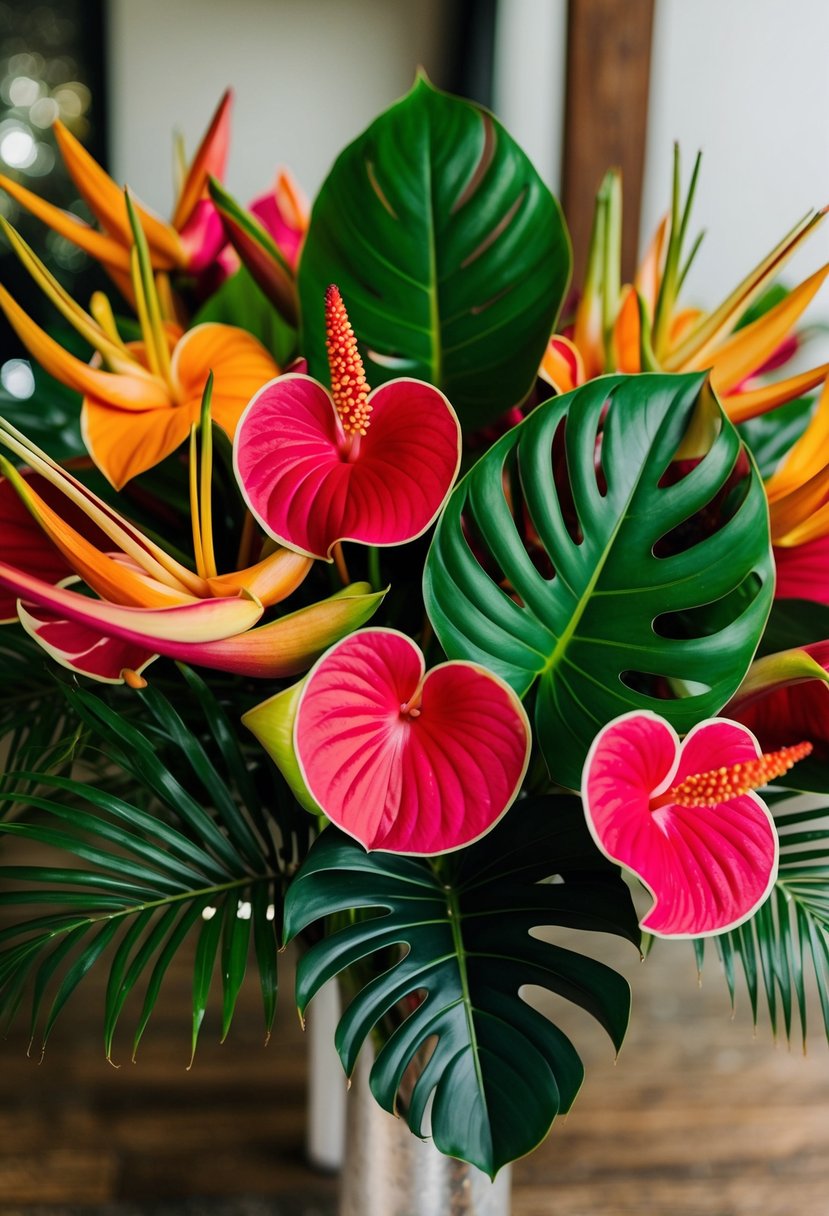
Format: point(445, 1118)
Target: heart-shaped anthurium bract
point(317, 467)
point(684, 818)
point(405, 761)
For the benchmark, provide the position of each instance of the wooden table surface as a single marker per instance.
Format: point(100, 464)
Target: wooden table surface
point(697, 1118)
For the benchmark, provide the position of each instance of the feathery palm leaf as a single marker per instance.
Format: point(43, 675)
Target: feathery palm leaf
point(191, 855)
point(787, 939)
point(35, 727)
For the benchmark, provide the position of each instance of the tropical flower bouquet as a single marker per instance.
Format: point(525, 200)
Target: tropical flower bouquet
point(375, 592)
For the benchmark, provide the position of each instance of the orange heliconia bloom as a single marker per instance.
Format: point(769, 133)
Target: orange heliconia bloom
point(140, 399)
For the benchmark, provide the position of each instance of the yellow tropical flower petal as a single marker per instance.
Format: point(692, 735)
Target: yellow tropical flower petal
point(701, 342)
point(111, 350)
point(742, 406)
point(114, 580)
point(807, 456)
point(801, 514)
point(271, 580)
point(749, 348)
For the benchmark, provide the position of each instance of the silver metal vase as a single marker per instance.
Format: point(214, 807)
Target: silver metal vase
point(389, 1172)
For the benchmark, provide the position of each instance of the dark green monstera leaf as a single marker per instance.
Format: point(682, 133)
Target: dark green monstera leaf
point(450, 252)
point(452, 938)
point(612, 553)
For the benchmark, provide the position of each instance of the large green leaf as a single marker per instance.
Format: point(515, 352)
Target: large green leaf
point(601, 575)
point(450, 252)
point(143, 874)
point(452, 940)
point(785, 944)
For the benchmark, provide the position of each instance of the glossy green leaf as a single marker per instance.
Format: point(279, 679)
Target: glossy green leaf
point(148, 872)
point(450, 252)
point(451, 940)
point(259, 253)
point(572, 561)
point(235, 941)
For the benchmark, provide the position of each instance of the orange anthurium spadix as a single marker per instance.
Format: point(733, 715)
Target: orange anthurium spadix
point(684, 817)
point(405, 760)
point(318, 467)
point(140, 398)
point(170, 243)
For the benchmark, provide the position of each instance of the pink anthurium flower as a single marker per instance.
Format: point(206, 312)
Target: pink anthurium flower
point(319, 467)
point(405, 760)
point(684, 817)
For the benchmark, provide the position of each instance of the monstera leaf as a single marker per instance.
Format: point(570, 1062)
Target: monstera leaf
point(455, 948)
point(450, 252)
point(612, 551)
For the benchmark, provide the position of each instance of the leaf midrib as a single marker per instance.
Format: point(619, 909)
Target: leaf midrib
point(575, 617)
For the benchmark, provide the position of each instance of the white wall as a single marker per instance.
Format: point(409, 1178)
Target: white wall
point(748, 82)
point(530, 76)
point(308, 75)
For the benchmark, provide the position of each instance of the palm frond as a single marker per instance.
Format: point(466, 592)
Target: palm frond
point(185, 852)
point(36, 729)
point(783, 950)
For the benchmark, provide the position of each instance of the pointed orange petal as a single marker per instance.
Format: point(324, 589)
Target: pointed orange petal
point(99, 246)
point(106, 201)
point(649, 273)
point(271, 580)
point(562, 365)
point(750, 347)
point(138, 390)
point(801, 514)
point(209, 161)
point(125, 443)
point(742, 406)
point(149, 556)
point(704, 337)
point(291, 200)
point(240, 366)
point(807, 456)
point(111, 578)
point(627, 334)
point(682, 323)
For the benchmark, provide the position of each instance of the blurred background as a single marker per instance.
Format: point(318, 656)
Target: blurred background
point(698, 1117)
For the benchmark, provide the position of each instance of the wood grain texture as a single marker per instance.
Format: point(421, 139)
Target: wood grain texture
point(698, 1117)
point(608, 76)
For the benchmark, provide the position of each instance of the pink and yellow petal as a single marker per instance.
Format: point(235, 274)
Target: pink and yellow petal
point(288, 646)
point(271, 580)
point(81, 649)
point(196, 622)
